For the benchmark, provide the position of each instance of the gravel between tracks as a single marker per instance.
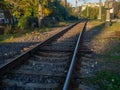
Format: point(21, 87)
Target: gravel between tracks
point(21, 44)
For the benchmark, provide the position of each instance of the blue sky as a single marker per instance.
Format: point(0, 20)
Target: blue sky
point(81, 1)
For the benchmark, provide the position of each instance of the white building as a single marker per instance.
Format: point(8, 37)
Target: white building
point(83, 7)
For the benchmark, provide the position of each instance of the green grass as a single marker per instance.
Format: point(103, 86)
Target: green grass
point(114, 48)
point(114, 27)
point(65, 23)
point(95, 22)
point(106, 80)
point(5, 37)
point(114, 57)
point(111, 58)
point(114, 54)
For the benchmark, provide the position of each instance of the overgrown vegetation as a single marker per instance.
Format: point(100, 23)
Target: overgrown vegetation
point(26, 12)
point(93, 13)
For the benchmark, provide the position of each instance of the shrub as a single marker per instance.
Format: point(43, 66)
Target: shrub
point(8, 29)
point(22, 23)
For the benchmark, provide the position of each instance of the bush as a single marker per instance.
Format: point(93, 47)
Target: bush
point(73, 18)
point(27, 22)
point(8, 29)
point(11, 29)
point(22, 23)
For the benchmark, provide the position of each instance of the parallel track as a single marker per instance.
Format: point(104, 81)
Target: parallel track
point(47, 66)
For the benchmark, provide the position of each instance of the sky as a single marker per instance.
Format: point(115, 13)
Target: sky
point(81, 1)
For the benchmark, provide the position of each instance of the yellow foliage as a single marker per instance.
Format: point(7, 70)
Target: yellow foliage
point(46, 11)
point(45, 2)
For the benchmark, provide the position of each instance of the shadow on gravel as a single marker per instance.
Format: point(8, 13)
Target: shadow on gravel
point(11, 50)
point(107, 55)
point(106, 48)
point(91, 33)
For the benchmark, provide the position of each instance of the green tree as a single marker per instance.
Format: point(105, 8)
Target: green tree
point(103, 13)
point(23, 7)
point(23, 10)
point(93, 13)
point(56, 9)
point(118, 9)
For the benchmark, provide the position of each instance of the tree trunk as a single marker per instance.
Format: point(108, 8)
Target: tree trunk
point(40, 16)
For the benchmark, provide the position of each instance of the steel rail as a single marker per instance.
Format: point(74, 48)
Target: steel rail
point(71, 68)
point(19, 59)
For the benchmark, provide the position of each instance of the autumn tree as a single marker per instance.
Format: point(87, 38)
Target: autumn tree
point(26, 11)
point(23, 10)
point(56, 9)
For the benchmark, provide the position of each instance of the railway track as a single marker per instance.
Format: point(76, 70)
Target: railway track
point(47, 66)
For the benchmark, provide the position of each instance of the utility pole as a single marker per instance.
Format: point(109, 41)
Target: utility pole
point(100, 10)
point(76, 7)
point(76, 2)
point(108, 6)
point(40, 14)
point(108, 19)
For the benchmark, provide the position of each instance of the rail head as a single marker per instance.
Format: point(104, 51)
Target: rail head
point(70, 71)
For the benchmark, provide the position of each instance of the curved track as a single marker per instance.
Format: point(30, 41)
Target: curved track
point(46, 66)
